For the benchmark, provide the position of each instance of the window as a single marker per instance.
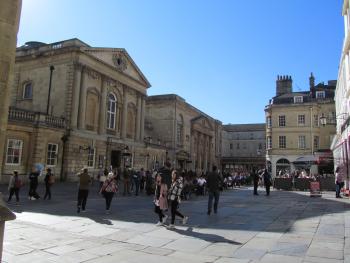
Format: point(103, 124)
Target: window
point(237, 146)
point(301, 142)
point(52, 150)
point(180, 130)
point(320, 94)
point(282, 142)
point(14, 151)
point(316, 142)
point(269, 142)
point(282, 121)
point(28, 91)
point(298, 99)
point(111, 111)
point(268, 122)
point(231, 146)
point(91, 157)
point(316, 121)
point(301, 120)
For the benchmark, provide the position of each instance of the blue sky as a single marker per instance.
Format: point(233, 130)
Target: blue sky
point(221, 56)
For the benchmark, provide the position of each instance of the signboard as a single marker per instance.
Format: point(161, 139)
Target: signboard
point(315, 190)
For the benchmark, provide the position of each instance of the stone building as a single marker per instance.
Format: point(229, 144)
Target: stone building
point(341, 142)
point(192, 138)
point(74, 106)
point(295, 138)
point(243, 146)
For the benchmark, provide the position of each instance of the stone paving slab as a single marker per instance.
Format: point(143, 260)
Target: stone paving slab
point(285, 227)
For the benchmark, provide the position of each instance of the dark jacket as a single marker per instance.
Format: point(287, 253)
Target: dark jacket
point(165, 173)
point(213, 182)
point(267, 178)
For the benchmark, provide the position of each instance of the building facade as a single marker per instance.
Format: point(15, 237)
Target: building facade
point(295, 138)
point(341, 142)
point(192, 139)
point(243, 146)
point(75, 106)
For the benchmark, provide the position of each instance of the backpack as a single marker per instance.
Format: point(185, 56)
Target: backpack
point(18, 183)
point(51, 179)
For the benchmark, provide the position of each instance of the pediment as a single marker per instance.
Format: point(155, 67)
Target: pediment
point(202, 122)
point(120, 60)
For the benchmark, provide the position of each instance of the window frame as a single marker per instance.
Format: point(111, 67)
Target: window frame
point(51, 158)
point(20, 150)
point(269, 122)
point(316, 142)
point(91, 149)
point(110, 114)
point(301, 120)
point(298, 99)
point(319, 93)
point(269, 142)
point(281, 120)
point(25, 88)
point(282, 142)
point(302, 142)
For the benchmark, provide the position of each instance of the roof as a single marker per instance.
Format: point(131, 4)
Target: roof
point(244, 127)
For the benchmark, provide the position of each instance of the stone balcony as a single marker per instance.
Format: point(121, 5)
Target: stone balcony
point(35, 118)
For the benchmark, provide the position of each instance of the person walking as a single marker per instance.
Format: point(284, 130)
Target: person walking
point(267, 181)
point(255, 176)
point(143, 179)
point(126, 180)
point(49, 181)
point(108, 189)
point(14, 186)
point(339, 181)
point(136, 179)
point(33, 184)
point(175, 194)
point(165, 173)
point(83, 192)
point(161, 200)
point(213, 186)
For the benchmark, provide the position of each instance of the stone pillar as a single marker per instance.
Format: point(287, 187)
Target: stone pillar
point(103, 106)
point(10, 11)
point(125, 112)
point(143, 113)
point(82, 101)
point(76, 91)
point(138, 118)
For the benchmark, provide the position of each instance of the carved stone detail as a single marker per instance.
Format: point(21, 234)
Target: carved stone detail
point(119, 61)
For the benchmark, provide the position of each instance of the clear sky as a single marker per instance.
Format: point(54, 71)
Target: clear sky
point(222, 56)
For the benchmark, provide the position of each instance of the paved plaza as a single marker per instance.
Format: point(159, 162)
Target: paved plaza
point(285, 227)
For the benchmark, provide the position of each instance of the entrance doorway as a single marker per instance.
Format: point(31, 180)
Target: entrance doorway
point(116, 158)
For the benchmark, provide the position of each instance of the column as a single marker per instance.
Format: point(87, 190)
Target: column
point(75, 95)
point(82, 101)
point(138, 118)
point(125, 112)
point(103, 104)
point(143, 113)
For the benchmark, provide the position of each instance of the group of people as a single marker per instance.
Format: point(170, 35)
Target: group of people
point(261, 175)
point(15, 184)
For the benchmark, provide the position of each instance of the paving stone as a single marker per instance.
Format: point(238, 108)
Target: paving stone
point(273, 258)
point(325, 253)
point(157, 251)
point(249, 253)
point(187, 244)
point(322, 260)
point(60, 250)
point(220, 249)
point(232, 260)
point(149, 241)
point(198, 257)
point(289, 249)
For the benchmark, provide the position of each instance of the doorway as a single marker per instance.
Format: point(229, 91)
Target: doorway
point(116, 157)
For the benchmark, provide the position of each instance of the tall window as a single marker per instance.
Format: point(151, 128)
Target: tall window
point(282, 142)
point(282, 120)
point(180, 130)
point(111, 111)
point(316, 121)
point(269, 142)
point(28, 91)
point(268, 122)
point(91, 157)
point(237, 146)
point(301, 120)
point(301, 142)
point(14, 151)
point(316, 142)
point(52, 150)
point(231, 146)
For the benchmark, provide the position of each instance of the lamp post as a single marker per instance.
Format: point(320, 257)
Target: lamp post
point(52, 68)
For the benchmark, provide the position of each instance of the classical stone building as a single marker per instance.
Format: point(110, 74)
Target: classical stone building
point(73, 106)
point(192, 139)
point(341, 142)
point(243, 146)
point(295, 138)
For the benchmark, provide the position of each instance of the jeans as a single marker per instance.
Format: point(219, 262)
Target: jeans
point(216, 196)
point(82, 198)
point(48, 191)
point(15, 191)
point(159, 211)
point(108, 196)
point(267, 189)
point(174, 211)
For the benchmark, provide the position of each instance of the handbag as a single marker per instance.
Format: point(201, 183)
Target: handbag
point(103, 189)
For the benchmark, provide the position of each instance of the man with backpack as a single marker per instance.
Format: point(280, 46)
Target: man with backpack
point(49, 181)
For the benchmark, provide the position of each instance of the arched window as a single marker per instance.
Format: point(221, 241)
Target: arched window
point(27, 90)
point(180, 130)
point(111, 111)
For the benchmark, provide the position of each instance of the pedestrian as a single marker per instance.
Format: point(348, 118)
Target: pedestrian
point(213, 185)
point(49, 181)
point(161, 200)
point(136, 179)
point(33, 184)
point(339, 181)
point(126, 180)
point(255, 177)
point(165, 172)
point(15, 185)
point(83, 192)
point(175, 194)
point(108, 189)
point(267, 181)
point(143, 179)
point(103, 177)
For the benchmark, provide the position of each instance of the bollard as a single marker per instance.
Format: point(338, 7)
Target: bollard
point(5, 215)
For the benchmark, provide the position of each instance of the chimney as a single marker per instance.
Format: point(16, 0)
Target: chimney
point(283, 85)
point(312, 85)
